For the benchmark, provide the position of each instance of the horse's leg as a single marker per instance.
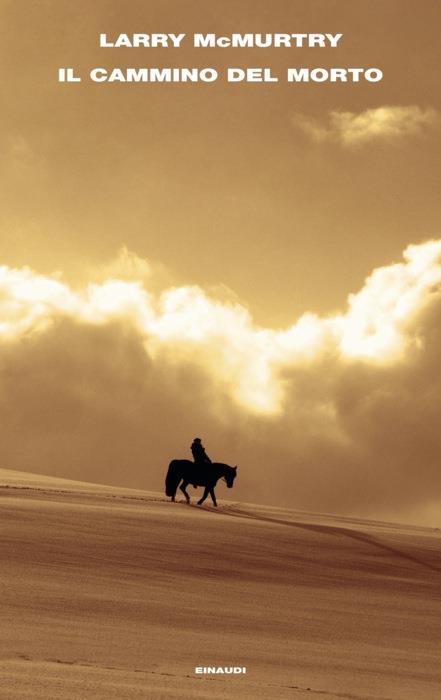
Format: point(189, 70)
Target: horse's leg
point(173, 497)
point(183, 486)
point(204, 496)
point(213, 497)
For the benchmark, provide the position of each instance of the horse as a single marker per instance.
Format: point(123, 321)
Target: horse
point(187, 472)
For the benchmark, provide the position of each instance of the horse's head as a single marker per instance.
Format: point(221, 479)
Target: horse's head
point(230, 475)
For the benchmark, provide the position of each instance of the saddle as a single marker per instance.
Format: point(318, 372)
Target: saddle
point(198, 473)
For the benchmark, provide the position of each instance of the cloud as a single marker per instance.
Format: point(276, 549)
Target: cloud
point(388, 124)
point(129, 266)
point(337, 413)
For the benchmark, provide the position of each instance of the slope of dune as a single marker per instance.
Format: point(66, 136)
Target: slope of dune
point(112, 593)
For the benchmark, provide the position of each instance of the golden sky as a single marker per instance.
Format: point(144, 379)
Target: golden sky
point(216, 181)
point(237, 219)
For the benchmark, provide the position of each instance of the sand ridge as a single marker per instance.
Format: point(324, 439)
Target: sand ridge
point(118, 593)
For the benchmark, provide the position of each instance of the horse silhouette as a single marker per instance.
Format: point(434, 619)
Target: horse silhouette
point(207, 475)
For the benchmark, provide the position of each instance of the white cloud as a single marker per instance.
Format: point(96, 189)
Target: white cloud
point(131, 267)
point(185, 324)
point(388, 123)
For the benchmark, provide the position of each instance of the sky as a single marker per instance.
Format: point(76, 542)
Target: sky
point(257, 264)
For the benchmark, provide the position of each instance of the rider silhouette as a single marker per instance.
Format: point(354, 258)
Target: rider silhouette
point(198, 452)
point(199, 455)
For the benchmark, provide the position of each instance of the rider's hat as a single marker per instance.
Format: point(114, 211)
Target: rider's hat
point(197, 440)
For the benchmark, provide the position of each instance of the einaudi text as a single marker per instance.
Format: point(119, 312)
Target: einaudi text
point(220, 669)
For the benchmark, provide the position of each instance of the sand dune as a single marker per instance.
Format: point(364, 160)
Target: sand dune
point(117, 593)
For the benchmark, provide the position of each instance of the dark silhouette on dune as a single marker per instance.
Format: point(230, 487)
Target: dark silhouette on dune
point(198, 452)
point(207, 475)
point(199, 455)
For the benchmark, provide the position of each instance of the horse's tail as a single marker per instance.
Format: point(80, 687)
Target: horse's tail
point(172, 479)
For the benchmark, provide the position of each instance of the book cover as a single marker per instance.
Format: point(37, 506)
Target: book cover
point(220, 375)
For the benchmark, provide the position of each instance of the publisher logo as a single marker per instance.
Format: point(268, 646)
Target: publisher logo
point(221, 670)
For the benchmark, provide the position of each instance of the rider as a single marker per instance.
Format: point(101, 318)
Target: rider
point(198, 452)
point(200, 457)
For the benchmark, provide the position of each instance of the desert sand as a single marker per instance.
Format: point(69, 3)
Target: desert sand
point(111, 593)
